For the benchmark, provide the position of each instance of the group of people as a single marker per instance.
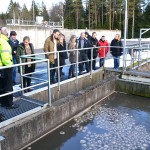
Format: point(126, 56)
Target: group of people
point(55, 48)
point(89, 47)
point(10, 51)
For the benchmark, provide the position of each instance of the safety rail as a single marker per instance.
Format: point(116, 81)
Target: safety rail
point(21, 75)
point(48, 81)
point(48, 24)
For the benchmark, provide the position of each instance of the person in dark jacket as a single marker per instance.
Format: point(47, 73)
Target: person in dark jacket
point(26, 48)
point(73, 55)
point(116, 50)
point(82, 43)
point(94, 43)
point(13, 42)
point(87, 35)
point(61, 47)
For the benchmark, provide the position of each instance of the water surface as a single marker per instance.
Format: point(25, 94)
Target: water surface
point(120, 122)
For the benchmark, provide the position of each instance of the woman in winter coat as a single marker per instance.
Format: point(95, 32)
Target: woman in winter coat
point(103, 50)
point(73, 55)
point(61, 46)
point(26, 48)
point(116, 50)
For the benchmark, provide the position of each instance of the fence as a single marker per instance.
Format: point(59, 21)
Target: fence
point(138, 55)
point(47, 24)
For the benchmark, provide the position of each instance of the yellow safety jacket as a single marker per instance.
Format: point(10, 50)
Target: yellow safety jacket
point(5, 51)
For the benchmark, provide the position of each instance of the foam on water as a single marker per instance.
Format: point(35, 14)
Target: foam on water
point(121, 131)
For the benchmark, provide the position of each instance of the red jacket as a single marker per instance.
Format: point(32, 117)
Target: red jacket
point(103, 50)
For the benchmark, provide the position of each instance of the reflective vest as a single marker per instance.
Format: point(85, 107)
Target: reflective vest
point(5, 51)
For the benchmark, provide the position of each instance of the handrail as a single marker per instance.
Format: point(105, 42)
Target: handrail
point(39, 60)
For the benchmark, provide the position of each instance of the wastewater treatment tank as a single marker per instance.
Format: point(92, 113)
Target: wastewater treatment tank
point(119, 122)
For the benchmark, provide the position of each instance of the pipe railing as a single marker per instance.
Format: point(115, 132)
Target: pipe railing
point(48, 81)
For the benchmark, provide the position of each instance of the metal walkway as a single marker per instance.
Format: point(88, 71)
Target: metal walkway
point(26, 104)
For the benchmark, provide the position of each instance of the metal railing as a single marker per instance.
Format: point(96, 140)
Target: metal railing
point(48, 24)
point(37, 60)
point(134, 59)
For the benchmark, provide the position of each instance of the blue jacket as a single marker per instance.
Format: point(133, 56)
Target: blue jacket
point(14, 44)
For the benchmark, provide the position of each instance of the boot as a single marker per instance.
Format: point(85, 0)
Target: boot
point(73, 75)
point(69, 74)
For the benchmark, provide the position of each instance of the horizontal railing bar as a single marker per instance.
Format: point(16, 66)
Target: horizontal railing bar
point(2, 95)
point(34, 78)
point(23, 64)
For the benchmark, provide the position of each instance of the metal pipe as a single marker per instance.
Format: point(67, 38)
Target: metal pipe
point(125, 35)
point(21, 78)
point(49, 84)
point(91, 63)
point(2, 95)
point(58, 71)
point(33, 78)
point(77, 64)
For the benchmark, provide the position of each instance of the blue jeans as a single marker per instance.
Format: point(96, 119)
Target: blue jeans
point(116, 62)
point(14, 70)
point(101, 62)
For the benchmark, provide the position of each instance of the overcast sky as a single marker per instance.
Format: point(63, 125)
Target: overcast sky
point(4, 6)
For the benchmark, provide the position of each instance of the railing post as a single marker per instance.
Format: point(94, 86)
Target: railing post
point(91, 63)
point(21, 73)
point(58, 71)
point(104, 57)
point(77, 64)
point(139, 59)
point(49, 83)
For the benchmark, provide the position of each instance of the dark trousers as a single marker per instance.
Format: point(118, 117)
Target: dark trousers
point(101, 62)
point(93, 62)
point(53, 69)
point(26, 80)
point(6, 87)
point(1, 85)
point(72, 68)
point(14, 69)
point(83, 57)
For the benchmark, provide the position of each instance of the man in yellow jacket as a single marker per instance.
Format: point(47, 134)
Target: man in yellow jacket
point(6, 60)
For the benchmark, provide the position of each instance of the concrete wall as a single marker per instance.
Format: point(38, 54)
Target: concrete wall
point(145, 67)
point(39, 34)
point(27, 130)
point(70, 87)
point(135, 88)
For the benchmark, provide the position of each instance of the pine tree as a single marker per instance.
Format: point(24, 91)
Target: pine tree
point(25, 13)
point(44, 12)
point(69, 15)
point(34, 11)
point(14, 10)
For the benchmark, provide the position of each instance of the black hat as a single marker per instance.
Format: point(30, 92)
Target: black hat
point(13, 33)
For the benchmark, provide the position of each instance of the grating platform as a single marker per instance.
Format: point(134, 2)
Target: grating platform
point(25, 104)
